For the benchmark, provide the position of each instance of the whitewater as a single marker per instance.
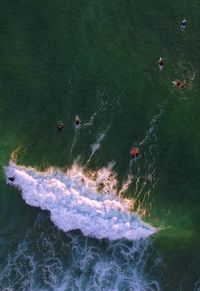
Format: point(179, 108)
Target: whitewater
point(81, 199)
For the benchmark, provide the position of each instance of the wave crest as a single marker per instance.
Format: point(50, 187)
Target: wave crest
point(75, 201)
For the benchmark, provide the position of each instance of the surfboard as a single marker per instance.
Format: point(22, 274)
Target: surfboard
point(77, 122)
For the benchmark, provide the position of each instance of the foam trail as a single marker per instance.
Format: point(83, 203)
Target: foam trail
point(90, 122)
point(151, 131)
point(48, 260)
point(74, 141)
point(126, 185)
point(197, 286)
point(74, 202)
point(96, 146)
point(150, 138)
point(145, 179)
point(101, 105)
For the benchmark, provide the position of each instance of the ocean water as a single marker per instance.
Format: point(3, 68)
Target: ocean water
point(81, 214)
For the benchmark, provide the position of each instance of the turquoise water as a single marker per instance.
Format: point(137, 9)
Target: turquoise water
point(98, 60)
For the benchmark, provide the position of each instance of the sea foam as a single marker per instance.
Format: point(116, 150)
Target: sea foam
point(80, 200)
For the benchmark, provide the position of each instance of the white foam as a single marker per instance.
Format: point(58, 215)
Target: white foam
point(96, 146)
point(46, 259)
point(75, 203)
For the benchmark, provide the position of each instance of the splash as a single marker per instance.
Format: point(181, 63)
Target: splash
point(15, 153)
point(187, 72)
point(80, 199)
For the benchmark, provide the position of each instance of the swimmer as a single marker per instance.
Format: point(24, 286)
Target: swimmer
point(183, 24)
point(60, 126)
point(192, 76)
point(179, 84)
point(136, 152)
point(12, 179)
point(161, 63)
point(77, 122)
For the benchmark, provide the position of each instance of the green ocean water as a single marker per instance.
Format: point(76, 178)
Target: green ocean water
point(62, 58)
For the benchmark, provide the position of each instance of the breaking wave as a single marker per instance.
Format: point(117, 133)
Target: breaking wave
point(79, 199)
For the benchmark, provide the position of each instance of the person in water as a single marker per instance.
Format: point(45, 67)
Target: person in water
point(12, 179)
point(77, 122)
point(136, 152)
point(161, 63)
point(183, 24)
point(179, 84)
point(60, 126)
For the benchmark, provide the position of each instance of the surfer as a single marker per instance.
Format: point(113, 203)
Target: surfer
point(183, 24)
point(192, 76)
point(135, 152)
point(12, 179)
point(179, 84)
point(77, 122)
point(60, 126)
point(161, 63)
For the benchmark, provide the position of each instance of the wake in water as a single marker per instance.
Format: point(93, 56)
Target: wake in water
point(96, 146)
point(74, 141)
point(101, 106)
point(47, 259)
point(80, 199)
point(186, 72)
point(145, 174)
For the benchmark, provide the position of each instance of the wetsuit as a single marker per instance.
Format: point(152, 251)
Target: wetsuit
point(60, 126)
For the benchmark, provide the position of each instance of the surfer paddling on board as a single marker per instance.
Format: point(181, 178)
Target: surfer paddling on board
point(12, 179)
point(183, 24)
point(179, 84)
point(77, 122)
point(161, 63)
point(136, 152)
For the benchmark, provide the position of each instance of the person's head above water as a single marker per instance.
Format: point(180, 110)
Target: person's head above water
point(77, 121)
point(135, 151)
point(179, 84)
point(183, 24)
point(161, 63)
point(60, 126)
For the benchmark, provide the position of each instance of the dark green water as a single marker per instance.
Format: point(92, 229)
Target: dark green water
point(62, 58)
